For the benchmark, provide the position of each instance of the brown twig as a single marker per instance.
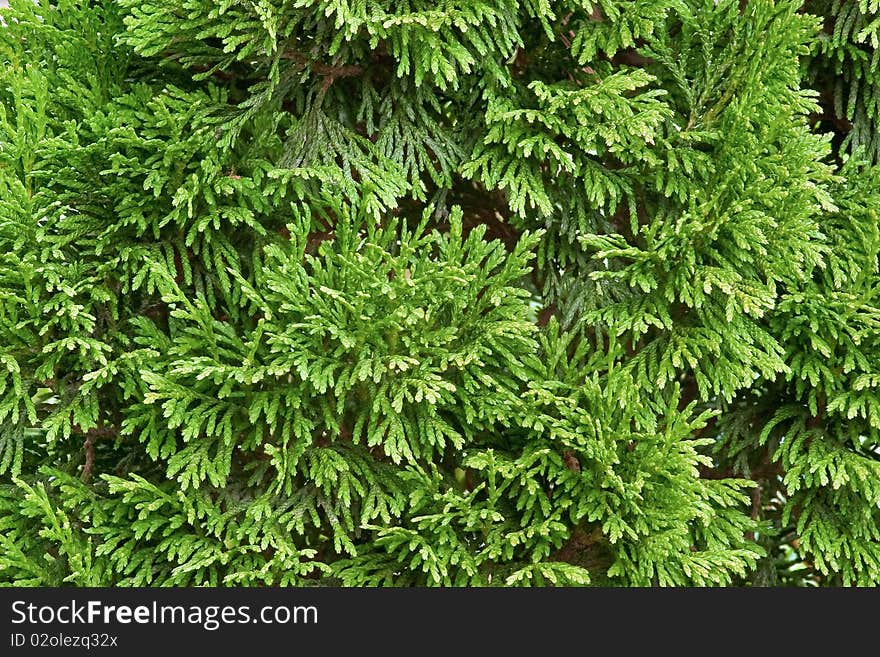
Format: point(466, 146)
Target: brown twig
point(756, 509)
point(571, 461)
point(330, 72)
point(816, 420)
point(89, 448)
point(586, 550)
point(764, 471)
point(546, 314)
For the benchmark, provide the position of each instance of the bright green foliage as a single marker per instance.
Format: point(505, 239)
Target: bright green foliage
point(821, 422)
point(472, 293)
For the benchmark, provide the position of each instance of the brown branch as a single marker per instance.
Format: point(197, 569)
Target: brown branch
point(707, 428)
point(331, 72)
point(631, 58)
point(756, 509)
point(520, 62)
point(815, 420)
point(588, 551)
point(89, 448)
point(577, 542)
point(690, 392)
point(546, 314)
point(103, 432)
point(571, 461)
point(764, 471)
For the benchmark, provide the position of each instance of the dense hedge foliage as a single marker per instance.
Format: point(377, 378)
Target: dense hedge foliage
point(470, 292)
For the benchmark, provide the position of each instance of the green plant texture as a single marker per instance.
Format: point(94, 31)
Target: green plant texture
point(439, 293)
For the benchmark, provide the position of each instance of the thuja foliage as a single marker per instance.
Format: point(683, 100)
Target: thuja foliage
point(471, 293)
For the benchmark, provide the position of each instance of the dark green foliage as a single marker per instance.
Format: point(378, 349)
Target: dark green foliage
point(845, 69)
point(490, 292)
